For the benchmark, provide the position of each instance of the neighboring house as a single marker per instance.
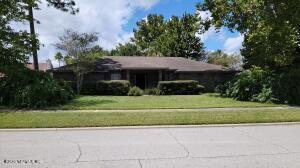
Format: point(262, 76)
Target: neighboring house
point(146, 72)
point(42, 66)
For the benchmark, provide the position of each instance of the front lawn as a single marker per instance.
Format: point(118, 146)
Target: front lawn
point(155, 102)
point(103, 119)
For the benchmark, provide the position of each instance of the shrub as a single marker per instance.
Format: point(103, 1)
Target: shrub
point(265, 95)
point(294, 89)
point(114, 87)
point(152, 91)
point(180, 87)
point(245, 86)
point(135, 91)
point(32, 89)
point(264, 86)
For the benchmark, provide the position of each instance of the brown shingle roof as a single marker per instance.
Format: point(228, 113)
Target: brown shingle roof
point(178, 64)
point(173, 63)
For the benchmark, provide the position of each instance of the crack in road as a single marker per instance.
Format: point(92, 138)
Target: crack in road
point(80, 152)
point(141, 166)
point(179, 143)
point(73, 142)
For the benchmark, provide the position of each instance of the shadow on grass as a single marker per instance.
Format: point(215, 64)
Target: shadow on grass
point(88, 103)
point(215, 95)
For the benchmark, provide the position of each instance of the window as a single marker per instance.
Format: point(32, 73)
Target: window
point(115, 76)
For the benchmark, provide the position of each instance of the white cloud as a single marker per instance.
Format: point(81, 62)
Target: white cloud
point(102, 16)
point(204, 14)
point(125, 37)
point(233, 44)
point(230, 44)
point(211, 33)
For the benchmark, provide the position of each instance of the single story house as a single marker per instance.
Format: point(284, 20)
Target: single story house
point(146, 72)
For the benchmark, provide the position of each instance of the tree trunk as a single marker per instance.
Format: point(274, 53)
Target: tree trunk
point(32, 32)
point(78, 83)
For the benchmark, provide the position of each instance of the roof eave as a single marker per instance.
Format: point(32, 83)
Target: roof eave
point(143, 68)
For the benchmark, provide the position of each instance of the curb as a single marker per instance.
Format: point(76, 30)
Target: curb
point(149, 127)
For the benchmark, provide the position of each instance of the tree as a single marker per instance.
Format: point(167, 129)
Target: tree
point(63, 5)
point(97, 52)
point(127, 49)
point(218, 57)
point(270, 28)
point(77, 47)
point(15, 46)
point(59, 57)
point(180, 38)
point(176, 37)
point(148, 30)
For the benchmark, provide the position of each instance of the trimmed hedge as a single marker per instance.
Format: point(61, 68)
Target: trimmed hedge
point(114, 87)
point(180, 87)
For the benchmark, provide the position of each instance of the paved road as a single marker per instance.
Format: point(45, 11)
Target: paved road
point(271, 146)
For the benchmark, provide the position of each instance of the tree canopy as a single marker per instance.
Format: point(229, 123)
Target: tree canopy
point(17, 46)
point(127, 49)
point(176, 37)
point(218, 57)
point(149, 29)
point(271, 28)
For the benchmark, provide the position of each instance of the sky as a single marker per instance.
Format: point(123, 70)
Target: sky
point(114, 21)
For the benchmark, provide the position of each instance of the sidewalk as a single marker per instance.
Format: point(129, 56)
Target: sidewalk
point(170, 110)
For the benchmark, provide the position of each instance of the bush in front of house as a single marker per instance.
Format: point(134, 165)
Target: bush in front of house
point(180, 87)
point(114, 87)
point(245, 86)
point(32, 89)
point(135, 91)
point(152, 91)
point(258, 85)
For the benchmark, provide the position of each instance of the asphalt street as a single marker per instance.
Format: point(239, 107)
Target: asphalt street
point(240, 146)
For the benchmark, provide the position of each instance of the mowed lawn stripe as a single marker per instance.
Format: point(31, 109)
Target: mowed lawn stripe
point(104, 119)
point(156, 102)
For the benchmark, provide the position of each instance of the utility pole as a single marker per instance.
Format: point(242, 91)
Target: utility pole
point(32, 32)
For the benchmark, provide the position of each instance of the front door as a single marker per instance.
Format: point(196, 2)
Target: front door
point(140, 80)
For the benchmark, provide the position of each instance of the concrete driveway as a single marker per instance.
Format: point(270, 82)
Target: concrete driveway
point(240, 146)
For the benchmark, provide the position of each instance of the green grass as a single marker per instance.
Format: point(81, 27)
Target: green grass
point(155, 102)
point(88, 119)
